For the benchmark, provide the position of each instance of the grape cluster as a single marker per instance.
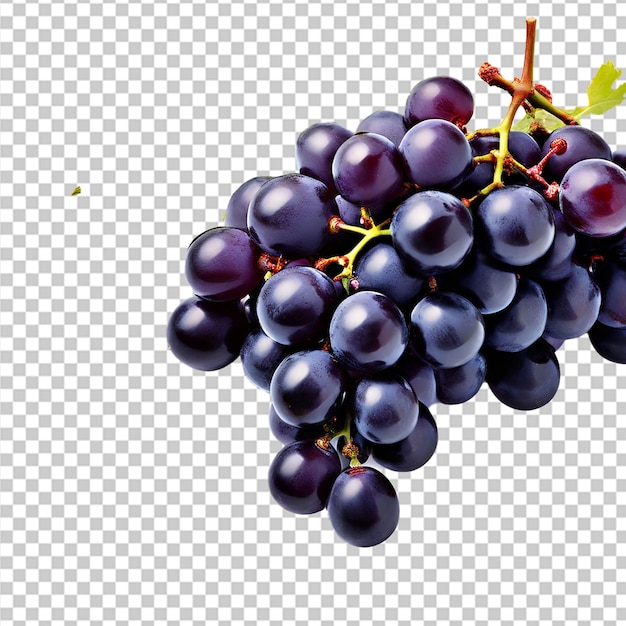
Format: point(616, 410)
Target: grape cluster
point(401, 265)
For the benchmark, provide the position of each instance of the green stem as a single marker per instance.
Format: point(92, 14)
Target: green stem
point(539, 101)
point(347, 260)
point(520, 91)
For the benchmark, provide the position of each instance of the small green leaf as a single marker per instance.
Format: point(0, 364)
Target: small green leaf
point(600, 93)
point(547, 120)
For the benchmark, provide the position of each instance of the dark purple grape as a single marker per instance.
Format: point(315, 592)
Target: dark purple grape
point(286, 433)
point(385, 408)
point(289, 215)
point(524, 148)
point(612, 280)
point(207, 335)
point(515, 225)
point(302, 475)
point(556, 263)
point(609, 342)
point(440, 97)
point(432, 232)
point(418, 374)
point(481, 280)
point(260, 356)
point(593, 197)
point(368, 332)
point(386, 123)
point(381, 269)
point(447, 330)
point(573, 304)
point(295, 305)
point(363, 506)
point(436, 154)
point(316, 148)
point(582, 143)
point(457, 385)
point(555, 343)
point(414, 451)
point(237, 209)
point(307, 387)
point(367, 170)
point(619, 158)
point(222, 264)
point(521, 323)
point(524, 380)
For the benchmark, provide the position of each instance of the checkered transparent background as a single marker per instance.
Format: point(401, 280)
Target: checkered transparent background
point(133, 489)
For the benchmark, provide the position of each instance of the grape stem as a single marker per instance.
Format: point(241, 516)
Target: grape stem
point(523, 94)
point(336, 224)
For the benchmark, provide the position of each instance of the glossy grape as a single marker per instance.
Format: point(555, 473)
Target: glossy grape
point(367, 169)
point(315, 149)
point(368, 332)
point(302, 475)
point(432, 232)
point(418, 374)
point(386, 123)
point(521, 323)
point(436, 154)
point(289, 215)
point(573, 304)
point(442, 97)
point(237, 208)
point(524, 380)
point(557, 262)
point(414, 451)
point(207, 335)
point(385, 409)
point(260, 356)
point(307, 387)
point(222, 264)
point(480, 279)
point(515, 224)
point(582, 143)
point(609, 342)
point(593, 197)
point(447, 330)
point(374, 268)
point(295, 305)
point(457, 385)
point(612, 280)
point(363, 506)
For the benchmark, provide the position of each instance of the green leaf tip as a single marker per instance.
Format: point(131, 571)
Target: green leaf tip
point(601, 95)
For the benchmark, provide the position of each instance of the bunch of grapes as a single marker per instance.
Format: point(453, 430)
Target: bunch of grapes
point(401, 265)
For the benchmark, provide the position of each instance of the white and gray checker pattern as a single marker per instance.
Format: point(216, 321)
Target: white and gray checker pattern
point(133, 489)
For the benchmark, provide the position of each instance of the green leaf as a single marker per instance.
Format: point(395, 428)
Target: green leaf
point(600, 93)
point(547, 120)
